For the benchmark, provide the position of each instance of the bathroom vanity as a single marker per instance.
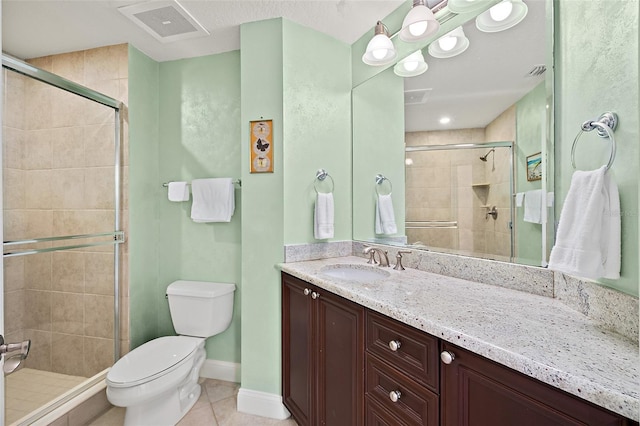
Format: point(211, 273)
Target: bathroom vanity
point(417, 348)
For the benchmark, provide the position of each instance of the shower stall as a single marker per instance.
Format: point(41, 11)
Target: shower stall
point(63, 261)
point(459, 198)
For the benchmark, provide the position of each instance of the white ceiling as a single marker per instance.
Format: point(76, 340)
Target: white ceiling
point(472, 88)
point(38, 28)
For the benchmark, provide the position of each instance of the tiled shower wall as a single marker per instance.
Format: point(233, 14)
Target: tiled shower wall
point(59, 180)
point(454, 185)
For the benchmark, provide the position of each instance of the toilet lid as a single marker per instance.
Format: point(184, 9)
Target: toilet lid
point(154, 358)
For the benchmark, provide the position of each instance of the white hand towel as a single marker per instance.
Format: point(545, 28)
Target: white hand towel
point(533, 206)
point(588, 238)
point(213, 200)
point(178, 191)
point(323, 217)
point(385, 218)
point(519, 199)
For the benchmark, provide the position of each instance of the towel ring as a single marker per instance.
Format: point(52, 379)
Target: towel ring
point(321, 175)
point(605, 125)
point(380, 178)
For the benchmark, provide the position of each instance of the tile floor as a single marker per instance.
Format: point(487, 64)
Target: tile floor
point(216, 407)
point(28, 389)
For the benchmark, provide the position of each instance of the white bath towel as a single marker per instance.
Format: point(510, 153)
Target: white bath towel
point(533, 206)
point(178, 191)
point(385, 218)
point(588, 238)
point(323, 216)
point(519, 199)
point(213, 200)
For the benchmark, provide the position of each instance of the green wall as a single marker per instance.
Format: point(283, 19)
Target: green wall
point(144, 196)
point(530, 112)
point(378, 147)
point(597, 71)
point(307, 94)
point(200, 138)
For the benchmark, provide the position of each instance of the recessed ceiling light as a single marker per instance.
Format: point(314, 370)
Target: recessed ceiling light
point(445, 120)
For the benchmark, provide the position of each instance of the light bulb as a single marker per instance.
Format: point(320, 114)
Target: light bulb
point(408, 161)
point(501, 11)
point(445, 120)
point(410, 66)
point(418, 28)
point(447, 42)
point(379, 53)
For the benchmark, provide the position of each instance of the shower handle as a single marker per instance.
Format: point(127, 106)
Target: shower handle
point(13, 360)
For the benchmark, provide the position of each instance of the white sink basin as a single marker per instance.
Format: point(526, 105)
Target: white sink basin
point(354, 272)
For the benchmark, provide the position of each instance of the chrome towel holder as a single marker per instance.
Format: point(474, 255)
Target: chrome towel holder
point(380, 178)
point(321, 175)
point(605, 125)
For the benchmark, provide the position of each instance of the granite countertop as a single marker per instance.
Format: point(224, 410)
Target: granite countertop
point(535, 335)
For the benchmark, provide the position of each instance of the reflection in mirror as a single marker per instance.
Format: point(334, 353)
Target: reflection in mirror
point(497, 95)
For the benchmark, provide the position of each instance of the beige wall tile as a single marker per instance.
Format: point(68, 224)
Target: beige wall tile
point(67, 354)
point(38, 189)
point(99, 188)
point(98, 355)
point(14, 273)
point(38, 310)
point(43, 62)
point(96, 113)
point(68, 222)
point(98, 316)
point(37, 271)
point(68, 190)
point(13, 189)
point(68, 108)
point(503, 127)
point(102, 63)
point(40, 352)
point(39, 104)
point(68, 272)
point(124, 318)
point(12, 146)
point(69, 65)
point(99, 145)
point(14, 311)
point(39, 223)
point(14, 224)
point(15, 101)
point(99, 268)
point(37, 150)
point(67, 315)
point(68, 147)
point(89, 410)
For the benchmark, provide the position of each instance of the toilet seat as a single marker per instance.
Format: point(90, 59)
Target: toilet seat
point(153, 359)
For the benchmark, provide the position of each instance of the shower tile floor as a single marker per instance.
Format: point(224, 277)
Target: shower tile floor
point(215, 407)
point(28, 389)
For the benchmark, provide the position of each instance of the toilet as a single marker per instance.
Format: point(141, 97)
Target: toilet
point(157, 382)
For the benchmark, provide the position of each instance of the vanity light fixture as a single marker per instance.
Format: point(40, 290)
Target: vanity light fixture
point(380, 50)
point(466, 6)
point(411, 66)
point(419, 23)
point(502, 16)
point(449, 45)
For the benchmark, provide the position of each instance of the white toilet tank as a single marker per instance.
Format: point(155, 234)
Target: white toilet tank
point(200, 308)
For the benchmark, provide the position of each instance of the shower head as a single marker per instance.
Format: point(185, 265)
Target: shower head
point(484, 157)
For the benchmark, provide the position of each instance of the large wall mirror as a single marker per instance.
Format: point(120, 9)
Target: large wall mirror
point(465, 149)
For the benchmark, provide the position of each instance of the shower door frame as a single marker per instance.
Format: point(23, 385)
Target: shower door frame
point(117, 237)
point(507, 144)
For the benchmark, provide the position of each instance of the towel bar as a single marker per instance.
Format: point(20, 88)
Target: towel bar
point(235, 181)
point(605, 125)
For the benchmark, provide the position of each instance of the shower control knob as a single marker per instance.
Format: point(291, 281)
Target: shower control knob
point(307, 292)
point(395, 395)
point(447, 357)
point(394, 345)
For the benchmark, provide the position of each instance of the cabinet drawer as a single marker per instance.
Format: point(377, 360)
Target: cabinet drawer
point(417, 354)
point(377, 415)
point(416, 405)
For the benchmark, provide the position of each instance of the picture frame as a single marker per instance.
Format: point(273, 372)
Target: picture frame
point(534, 167)
point(261, 146)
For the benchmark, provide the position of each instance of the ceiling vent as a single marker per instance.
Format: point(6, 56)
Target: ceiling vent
point(416, 97)
point(167, 21)
point(537, 70)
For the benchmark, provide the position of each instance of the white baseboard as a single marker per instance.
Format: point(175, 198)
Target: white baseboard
point(262, 404)
point(220, 370)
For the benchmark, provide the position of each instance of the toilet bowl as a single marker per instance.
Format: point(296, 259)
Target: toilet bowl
point(157, 382)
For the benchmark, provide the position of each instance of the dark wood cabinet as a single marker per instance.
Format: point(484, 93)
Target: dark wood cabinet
point(347, 365)
point(322, 355)
point(477, 391)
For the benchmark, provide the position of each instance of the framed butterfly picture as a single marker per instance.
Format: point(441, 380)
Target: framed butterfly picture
point(261, 139)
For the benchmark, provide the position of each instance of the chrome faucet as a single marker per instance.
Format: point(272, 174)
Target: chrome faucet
point(382, 256)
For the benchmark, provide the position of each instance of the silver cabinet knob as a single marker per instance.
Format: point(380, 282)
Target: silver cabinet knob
point(394, 345)
point(314, 295)
point(395, 395)
point(306, 291)
point(447, 357)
